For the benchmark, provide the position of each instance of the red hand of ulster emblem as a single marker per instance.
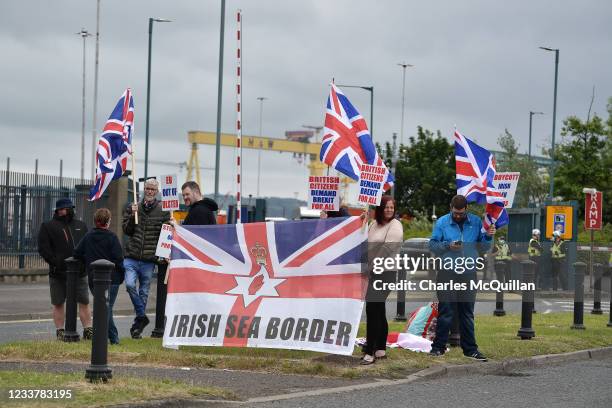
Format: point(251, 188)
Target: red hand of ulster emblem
point(256, 284)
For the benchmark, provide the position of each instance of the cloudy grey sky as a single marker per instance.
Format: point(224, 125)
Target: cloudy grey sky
point(477, 65)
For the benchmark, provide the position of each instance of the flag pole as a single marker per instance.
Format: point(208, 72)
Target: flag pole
point(168, 267)
point(128, 93)
point(134, 183)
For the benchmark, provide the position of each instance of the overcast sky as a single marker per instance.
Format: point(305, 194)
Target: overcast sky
point(477, 66)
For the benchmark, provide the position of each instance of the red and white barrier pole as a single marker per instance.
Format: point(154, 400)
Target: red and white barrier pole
point(239, 117)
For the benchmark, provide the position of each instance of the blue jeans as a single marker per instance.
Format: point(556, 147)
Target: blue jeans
point(464, 301)
point(113, 333)
point(141, 271)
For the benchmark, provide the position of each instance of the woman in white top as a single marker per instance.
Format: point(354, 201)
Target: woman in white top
point(385, 237)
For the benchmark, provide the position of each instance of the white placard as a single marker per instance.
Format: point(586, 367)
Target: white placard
point(506, 183)
point(164, 242)
point(371, 183)
point(169, 193)
point(323, 193)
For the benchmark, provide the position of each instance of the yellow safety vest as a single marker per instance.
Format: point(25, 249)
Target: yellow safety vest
point(533, 250)
point(502, 252)
point(556, 250)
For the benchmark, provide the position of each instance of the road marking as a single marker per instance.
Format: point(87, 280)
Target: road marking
point(604, 308)
point(50, 320)
point(27, 321)
point(547, 311)
point(547, 303)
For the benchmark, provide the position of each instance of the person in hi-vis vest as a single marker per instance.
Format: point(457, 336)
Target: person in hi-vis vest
point(502, 253)
point(535, 252)
point(557, 254)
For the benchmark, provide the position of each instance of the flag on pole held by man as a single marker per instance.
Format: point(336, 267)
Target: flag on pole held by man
point(475, 167)
point(291, 285)
point(347, 143)
point(114, 146)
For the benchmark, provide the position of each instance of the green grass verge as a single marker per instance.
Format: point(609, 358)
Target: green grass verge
point(496, 337)
point(120, 389)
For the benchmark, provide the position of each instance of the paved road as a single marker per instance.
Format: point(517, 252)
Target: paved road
point(576, 384)
point(31, 300)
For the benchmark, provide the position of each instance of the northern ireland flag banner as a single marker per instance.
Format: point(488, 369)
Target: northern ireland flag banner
point(290, 285)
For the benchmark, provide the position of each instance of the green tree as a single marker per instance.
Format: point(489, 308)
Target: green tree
point(607, 166)
point(425, 173)
point(583, 159)
point(532, 186)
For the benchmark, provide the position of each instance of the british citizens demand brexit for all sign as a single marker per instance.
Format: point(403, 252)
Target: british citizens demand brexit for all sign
point(292, 285)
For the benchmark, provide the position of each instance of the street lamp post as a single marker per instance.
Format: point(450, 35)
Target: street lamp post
point(552, 152)
point(371, 90)
point(84, 34)
point(394, 161)
point(94, 145)
point(219, 98)
point(531, 113)
point(151, 21)
point(404, 66)
point(260, 99)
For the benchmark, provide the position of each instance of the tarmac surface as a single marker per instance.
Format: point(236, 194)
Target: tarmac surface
point(574, 384)
point(567, 381)
point(25, 310)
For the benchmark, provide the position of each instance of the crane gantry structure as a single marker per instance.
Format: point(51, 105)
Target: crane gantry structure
point(307, 149)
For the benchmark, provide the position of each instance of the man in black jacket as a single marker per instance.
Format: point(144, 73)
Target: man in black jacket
point(56, 242)
point(140, 258)
point(201, 210)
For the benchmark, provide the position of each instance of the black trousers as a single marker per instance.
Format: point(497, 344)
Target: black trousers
point(504, 274)
point(537, 279)
point(377, 327)
point(558, 273)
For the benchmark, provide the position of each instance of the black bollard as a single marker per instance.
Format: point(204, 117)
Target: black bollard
point(579, 269)
point(160, 305)
point(401, 298)
point(73, 267)
point(610, 318)
point(597, 274)
point(98, 370)
point(500, 271)
point(454, 340)
point(526, 332)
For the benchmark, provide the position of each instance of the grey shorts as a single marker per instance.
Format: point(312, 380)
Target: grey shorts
point(58, 290)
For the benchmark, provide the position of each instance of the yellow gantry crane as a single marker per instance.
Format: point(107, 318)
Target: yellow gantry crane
point(308, 149)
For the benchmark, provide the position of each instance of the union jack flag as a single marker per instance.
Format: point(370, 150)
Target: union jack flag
point(347, 143)
point(475, 168)
point(268, 285)
point(114, 146)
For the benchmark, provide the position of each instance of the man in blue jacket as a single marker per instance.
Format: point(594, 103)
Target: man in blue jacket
point(458, 240)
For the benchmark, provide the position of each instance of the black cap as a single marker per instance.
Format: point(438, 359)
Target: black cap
point(63, 203)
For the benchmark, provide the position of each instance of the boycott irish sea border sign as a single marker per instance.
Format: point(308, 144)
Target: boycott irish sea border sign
point(164, 242)
point(506, 183)
point(323, 193)
point(371, 181)
point(290, 285)
point(169, 193)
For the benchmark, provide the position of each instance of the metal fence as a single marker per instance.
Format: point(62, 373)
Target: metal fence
point(26, 201)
